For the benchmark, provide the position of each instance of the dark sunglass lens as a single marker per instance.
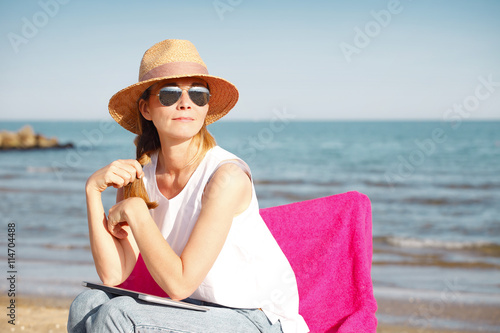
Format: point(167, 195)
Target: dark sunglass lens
point(199, 95)
point(169, 95)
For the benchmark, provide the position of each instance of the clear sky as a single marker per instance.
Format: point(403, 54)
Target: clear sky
point(420, 59)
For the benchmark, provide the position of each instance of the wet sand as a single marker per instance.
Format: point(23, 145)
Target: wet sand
point(417, 316)
point(50, 315)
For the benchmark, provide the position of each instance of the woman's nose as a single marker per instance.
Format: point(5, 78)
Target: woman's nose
point(184, 101)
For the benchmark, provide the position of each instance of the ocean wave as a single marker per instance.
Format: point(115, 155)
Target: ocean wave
point(485, 186)
point(409, 251)
point(9, 176)
point(66, 247)
point(292, 197)
point(411, 242)
point(39, 190)
point(386, 184)
point(444, 201)
point(451, 293)
point(296, 182)
point(42, 169)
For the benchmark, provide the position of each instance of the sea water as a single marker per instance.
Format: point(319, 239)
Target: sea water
point(434, 188)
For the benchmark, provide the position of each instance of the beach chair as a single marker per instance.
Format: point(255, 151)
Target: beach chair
point(328, 242)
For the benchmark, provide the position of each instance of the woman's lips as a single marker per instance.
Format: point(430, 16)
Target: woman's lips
point(184, 119)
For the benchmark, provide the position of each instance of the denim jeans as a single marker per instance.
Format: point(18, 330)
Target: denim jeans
point(96, 311)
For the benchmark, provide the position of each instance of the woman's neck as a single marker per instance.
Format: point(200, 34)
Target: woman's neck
point(174, 158)
point(174, 169)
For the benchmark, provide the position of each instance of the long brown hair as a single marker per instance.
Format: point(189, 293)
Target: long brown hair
point(148, 142)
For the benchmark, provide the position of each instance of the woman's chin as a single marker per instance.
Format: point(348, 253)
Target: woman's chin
point(181, 134)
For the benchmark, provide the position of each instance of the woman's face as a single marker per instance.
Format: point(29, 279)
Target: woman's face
point(181, 120)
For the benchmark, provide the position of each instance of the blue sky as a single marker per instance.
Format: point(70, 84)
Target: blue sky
point(64, 59)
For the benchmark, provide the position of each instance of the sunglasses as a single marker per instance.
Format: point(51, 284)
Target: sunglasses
point(171, 94)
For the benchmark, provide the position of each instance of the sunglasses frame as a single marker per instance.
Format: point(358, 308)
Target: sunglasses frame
point(182, 90)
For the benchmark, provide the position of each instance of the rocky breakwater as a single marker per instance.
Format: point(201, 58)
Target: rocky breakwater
point(26, 138)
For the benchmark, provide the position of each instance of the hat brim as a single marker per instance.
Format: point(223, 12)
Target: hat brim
point(123, 106)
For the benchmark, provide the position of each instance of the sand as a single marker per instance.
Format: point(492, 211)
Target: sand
point(50, 314)
point(37, 315)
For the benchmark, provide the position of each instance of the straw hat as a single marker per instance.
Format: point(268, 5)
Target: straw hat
point(169, 59)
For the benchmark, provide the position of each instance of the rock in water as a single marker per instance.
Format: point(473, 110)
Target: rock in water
point(26, 138)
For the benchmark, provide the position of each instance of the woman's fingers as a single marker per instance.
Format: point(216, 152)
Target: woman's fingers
point(123, 172)
point(116, 181)
point(138, 168)
point(123, 213)
point(117, 174)
point(116, 221)
point(118, 231)
point(131, 166)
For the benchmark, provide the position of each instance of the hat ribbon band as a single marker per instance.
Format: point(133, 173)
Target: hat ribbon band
point(175, 69)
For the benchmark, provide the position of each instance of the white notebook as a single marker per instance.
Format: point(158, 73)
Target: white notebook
point(144, 297)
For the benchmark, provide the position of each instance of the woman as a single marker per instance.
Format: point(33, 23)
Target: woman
point(189, 209)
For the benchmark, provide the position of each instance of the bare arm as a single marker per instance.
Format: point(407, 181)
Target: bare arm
point(227, 195)
point(114, 258)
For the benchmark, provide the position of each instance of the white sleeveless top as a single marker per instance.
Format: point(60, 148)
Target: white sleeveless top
point(251, 271)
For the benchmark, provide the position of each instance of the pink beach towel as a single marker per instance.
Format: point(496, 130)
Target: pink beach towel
point(328, 242)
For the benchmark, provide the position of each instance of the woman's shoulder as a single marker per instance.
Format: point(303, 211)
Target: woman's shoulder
point(223, 154)
point(220, 157)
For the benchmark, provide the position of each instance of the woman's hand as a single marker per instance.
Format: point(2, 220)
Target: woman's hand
point(126, 212)
point(117, 174)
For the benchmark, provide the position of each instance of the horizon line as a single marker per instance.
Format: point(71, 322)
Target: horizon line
point(262, 120)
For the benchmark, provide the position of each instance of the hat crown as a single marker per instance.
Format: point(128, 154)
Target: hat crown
point(168, 52)
point(166, 60)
